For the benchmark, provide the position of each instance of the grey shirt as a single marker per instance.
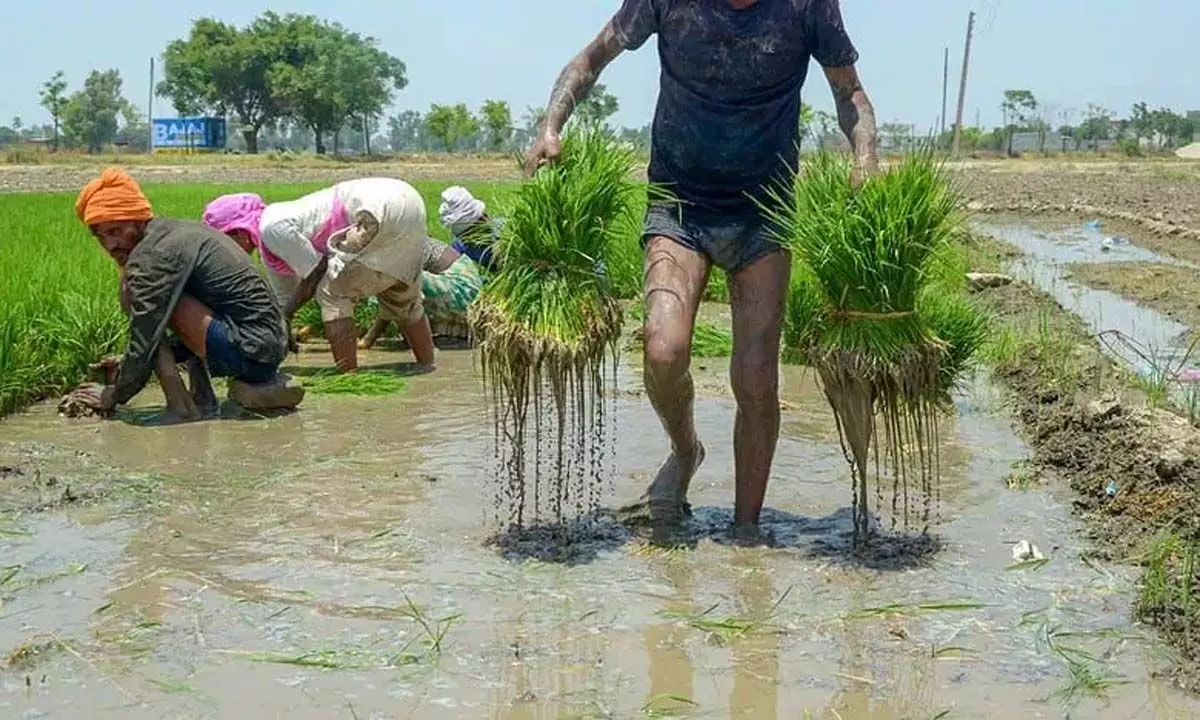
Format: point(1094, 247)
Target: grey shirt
point(180, 257)
point(728, 116)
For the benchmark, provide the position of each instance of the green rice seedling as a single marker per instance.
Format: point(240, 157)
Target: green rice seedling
point(363, 382)
point(545, 323)
point(900, 609)
point(877, 307)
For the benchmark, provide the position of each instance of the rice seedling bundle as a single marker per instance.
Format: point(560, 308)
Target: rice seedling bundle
point(367, 383)
point(545, 324)
point(877, 307)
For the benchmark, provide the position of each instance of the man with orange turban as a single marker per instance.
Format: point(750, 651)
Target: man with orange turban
point(227, 322)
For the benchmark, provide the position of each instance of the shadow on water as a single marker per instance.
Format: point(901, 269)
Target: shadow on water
point(157, 416)
point(828, 538)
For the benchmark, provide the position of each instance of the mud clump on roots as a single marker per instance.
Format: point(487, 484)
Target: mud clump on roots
point(553, 424)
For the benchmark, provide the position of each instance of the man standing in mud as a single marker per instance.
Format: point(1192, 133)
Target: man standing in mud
point(725, 133)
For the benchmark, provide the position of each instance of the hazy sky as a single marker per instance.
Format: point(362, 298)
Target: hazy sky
point(1069, 52)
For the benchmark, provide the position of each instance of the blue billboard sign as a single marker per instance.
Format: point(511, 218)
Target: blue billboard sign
point(194, 133)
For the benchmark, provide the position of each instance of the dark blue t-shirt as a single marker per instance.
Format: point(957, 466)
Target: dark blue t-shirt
point(728, 115)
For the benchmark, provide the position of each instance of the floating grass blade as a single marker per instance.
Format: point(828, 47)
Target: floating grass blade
point(877, 307)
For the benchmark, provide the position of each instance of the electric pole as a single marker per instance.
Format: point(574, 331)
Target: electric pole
point(962, 86)
point(945, 90)
point(150, 111)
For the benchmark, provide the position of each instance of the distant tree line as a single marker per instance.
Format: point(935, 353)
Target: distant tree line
point(298, 83)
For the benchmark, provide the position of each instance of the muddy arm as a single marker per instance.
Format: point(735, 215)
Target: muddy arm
point(856, 116)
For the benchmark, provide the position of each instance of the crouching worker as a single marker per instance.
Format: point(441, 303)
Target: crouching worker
point(193, 280)
point(450, 282)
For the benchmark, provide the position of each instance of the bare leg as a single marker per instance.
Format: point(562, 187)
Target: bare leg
point(419, 336)
point(373, 334)
point(757, 296)
point(202, 389)
point(343, 343)
point(675, 278)
point(179, 402)
point(190, 321)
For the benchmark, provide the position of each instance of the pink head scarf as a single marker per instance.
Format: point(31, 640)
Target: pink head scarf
point(243, 211)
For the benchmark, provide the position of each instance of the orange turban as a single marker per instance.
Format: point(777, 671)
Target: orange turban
point(112, 197)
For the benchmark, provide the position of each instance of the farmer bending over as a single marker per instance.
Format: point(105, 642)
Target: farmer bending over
point(474, 232)
point(357, 239)
point(450, 282)
point(725, 131)
point(181, 275)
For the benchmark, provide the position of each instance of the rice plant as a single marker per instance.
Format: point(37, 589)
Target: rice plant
point(545, 323)
point(878, 309)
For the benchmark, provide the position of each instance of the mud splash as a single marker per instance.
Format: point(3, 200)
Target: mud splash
point(331, 563)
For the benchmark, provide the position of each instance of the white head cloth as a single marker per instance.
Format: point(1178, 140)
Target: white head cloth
point(459, 209)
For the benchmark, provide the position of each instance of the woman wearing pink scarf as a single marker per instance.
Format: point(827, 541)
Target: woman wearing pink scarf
point(357, 239)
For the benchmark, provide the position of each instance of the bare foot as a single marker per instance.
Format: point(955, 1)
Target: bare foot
point(666, 498)
point(752, 535)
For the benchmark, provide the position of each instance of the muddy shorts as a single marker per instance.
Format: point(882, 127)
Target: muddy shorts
point(447, 296)
point(399, 301)
point(730, 242)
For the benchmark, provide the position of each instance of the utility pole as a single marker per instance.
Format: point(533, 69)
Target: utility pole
point(962, 86)
point(945, 90)
point(150, 110)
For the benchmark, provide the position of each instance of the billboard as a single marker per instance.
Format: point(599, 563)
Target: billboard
point(194, 133)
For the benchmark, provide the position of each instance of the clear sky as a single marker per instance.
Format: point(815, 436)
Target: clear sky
point(1068, 52)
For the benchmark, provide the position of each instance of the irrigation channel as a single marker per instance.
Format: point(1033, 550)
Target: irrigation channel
point(333, 563)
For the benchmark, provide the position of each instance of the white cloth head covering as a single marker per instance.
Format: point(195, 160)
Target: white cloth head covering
point(459, 210)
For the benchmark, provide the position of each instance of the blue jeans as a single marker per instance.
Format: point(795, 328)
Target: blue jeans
point(225, 359)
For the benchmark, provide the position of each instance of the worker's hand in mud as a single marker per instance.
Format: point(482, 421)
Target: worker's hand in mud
point(96, 396)
point(546, 149)
point(865, 166)
point(107, 368)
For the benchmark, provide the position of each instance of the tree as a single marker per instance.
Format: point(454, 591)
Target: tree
point(1141, 124)
point(330, 75)
point(597, 106)
point(825, 123)
point(54, 99)
point(90, 118)
point(497, 118)
point(897, 135)
point(452, 124)
point(806, 122)
point(1019, 109)
point(1096, 126)
point(408, 132)
point(222, 70)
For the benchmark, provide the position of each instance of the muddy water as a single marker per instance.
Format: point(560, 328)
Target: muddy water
point(1051, 246)
point(298, 538)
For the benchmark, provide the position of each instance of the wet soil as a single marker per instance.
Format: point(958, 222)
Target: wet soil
point(1172, 290)
point(1135, 469)
point(333, 563)
point(1160, 196)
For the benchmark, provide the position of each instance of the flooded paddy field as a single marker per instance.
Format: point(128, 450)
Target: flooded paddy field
point(333, 563)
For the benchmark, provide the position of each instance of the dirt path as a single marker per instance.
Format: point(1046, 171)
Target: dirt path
point(61, 178)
